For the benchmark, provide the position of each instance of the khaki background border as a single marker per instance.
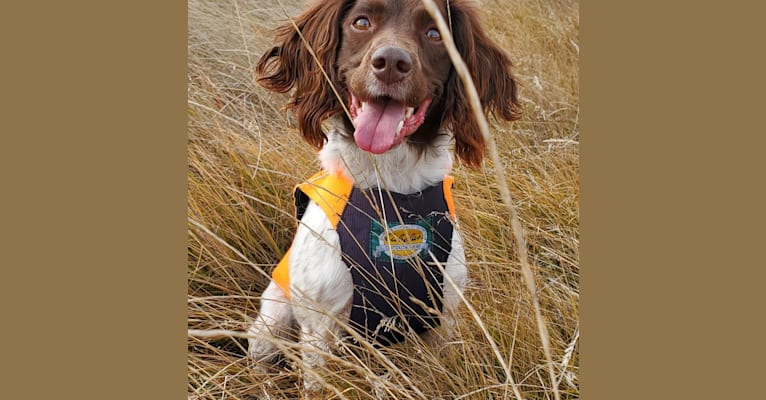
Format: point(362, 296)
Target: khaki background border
point(672, 199)
point(93, 154)
point(94, 211)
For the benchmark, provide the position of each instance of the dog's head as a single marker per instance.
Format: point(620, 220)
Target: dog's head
point(382, 65)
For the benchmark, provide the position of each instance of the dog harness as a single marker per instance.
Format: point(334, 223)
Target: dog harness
point(389, 242)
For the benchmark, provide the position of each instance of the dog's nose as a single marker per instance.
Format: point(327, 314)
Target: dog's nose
point(391, 64)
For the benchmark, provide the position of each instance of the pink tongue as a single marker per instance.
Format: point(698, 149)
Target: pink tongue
point(376, 126)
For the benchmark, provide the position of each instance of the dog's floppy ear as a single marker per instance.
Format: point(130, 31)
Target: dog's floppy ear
point(490, 68)
point(291, 65)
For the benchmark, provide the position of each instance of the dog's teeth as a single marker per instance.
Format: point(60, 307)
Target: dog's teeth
point(409, 112)
point(363, 103)
point(399, 127)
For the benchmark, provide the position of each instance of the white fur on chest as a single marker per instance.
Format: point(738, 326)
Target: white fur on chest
point(402, 169)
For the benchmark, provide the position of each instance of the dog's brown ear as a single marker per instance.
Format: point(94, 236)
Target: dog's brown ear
point(291, 65)
point(490, 68)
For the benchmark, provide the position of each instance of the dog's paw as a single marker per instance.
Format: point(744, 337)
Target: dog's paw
point(260, 350)
point(378, 386)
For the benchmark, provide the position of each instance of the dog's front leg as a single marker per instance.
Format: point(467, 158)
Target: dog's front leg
point(317, 339)
point(274, 322)
point(321, 289)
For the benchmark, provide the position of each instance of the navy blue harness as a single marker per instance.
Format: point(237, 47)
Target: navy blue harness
point(397, 286)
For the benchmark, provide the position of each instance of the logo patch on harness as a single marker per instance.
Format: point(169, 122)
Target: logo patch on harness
point(400, 242)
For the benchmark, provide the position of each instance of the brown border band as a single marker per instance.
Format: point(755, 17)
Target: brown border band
point(670, 237)
point(94, 210)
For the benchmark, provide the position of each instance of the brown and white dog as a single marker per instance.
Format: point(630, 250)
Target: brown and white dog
point(378, 74)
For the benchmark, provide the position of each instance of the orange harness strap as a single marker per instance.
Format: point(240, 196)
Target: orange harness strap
point(330, 192)
point(448, 181)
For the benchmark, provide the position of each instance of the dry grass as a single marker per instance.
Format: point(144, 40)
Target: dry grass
point(245, 158)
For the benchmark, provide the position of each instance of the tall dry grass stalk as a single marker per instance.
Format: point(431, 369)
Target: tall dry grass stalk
point(245, 158)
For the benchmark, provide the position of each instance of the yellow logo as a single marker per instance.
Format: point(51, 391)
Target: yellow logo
point(401, 242)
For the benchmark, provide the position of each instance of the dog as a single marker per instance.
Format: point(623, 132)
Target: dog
point(374, 91)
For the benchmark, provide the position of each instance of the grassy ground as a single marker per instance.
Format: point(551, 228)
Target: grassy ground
point(245, 157)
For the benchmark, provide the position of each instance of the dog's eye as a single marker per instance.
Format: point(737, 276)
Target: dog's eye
point(362, 24)
point(434, 35)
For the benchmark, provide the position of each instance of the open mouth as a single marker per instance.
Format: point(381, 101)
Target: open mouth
point(382, 123)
